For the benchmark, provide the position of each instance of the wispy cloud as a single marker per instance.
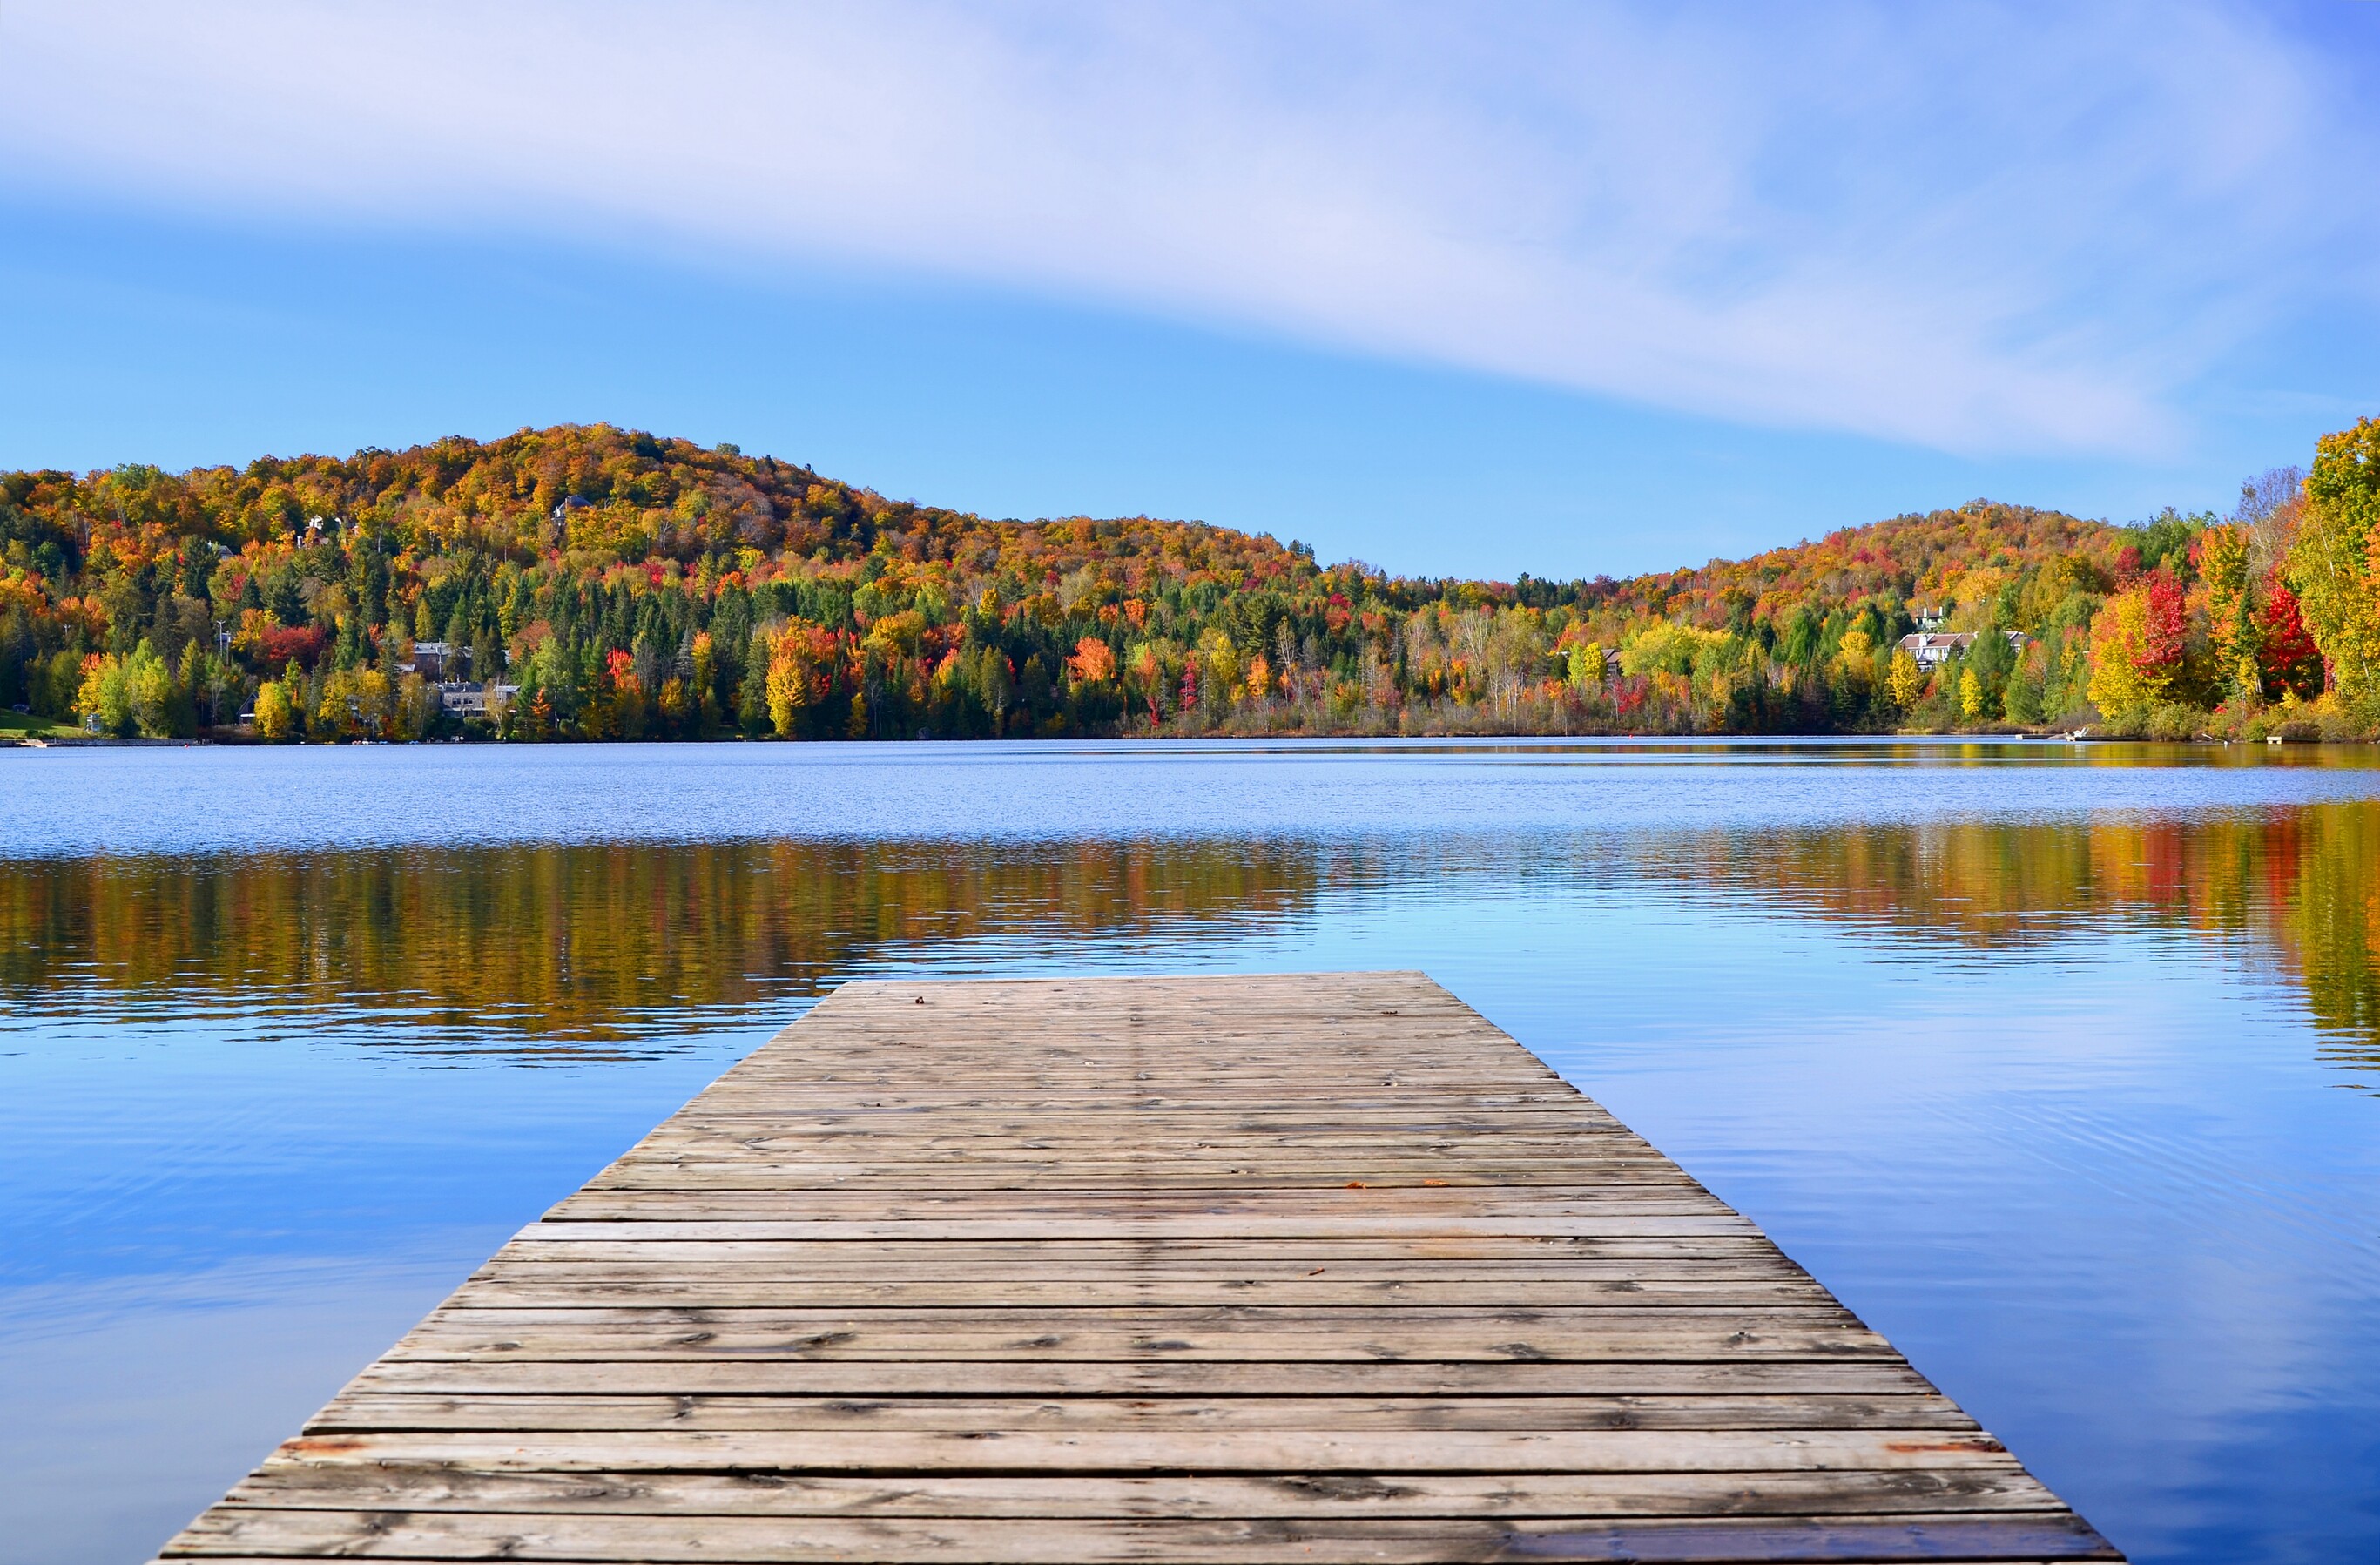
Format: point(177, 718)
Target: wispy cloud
point(1977, 228)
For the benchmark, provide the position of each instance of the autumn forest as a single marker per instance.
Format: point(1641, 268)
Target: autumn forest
point(596, 583)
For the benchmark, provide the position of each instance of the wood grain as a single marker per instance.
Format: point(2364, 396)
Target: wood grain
point(1312, 1268)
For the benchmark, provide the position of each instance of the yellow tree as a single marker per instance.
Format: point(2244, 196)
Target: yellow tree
point(2223, 566)
point(1586, 667)
point(375, 698)
point(706, 682)
point(788, 684)
point(801, 672)
point(275, 720)
point(150, 684)
point(1970, 695)
point(1903, 680)
point(2331, 563)
point(1219, 661)
point(337, 711)
point(2136, 646)
point(106, 695)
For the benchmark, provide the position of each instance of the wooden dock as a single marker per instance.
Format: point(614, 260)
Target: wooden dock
point(1318, 1269)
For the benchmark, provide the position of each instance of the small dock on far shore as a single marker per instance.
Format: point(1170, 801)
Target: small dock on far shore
point(1320, 1268)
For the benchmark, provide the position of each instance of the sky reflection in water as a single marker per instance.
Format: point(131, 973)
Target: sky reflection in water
point(2059, 1065)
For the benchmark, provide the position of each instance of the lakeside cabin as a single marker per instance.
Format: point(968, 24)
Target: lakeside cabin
point(436, 660)
point(1932, 648)
point(472, 699)
point(438, 663)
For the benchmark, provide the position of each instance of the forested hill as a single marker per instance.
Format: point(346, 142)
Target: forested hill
point(614, 584)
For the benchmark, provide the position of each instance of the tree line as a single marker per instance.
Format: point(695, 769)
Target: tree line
point(599, 583)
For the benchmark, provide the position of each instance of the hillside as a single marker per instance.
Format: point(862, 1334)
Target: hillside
point(614, 584)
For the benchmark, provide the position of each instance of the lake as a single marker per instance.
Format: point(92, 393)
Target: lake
point(2060, 1065)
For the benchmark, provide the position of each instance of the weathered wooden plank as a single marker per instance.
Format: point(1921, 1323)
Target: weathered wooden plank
point(1338, 1202)
point(1189, 1181)
point(1280, 1554)
point(756, 1237)
point(733, 1216)
point(1448, 1257)
point(956, 1113)
point(1143, 1144)
point(1131, 1449)
point(1880, 1376)
point(855, 1340)
point(917, 1336)
point(550, 1285)
point(455, 1486)
point(765, 1105)
point(1303, 1267)
point(1546, 1115)
point(1248, 1320)
point(389, 1412)
point(1053, 1541)
point(1142, 1149)
point(961, 1263)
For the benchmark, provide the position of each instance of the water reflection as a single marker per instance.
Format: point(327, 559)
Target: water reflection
point(2292, 890)
point(2023, 1048)
point(535, 950)
point(538, 947)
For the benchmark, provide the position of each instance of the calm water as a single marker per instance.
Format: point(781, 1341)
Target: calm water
point(2061, 1066)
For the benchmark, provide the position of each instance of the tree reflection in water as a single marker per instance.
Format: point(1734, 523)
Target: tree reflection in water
point(2294, 892)
point(531, 949)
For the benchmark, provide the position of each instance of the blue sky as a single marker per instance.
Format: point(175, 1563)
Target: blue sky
point(1563, 289)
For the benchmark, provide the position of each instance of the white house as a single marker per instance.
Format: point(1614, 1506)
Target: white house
point(471, 699)
point(1932, 648)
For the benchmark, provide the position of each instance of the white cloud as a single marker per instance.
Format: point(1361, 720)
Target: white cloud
point(1976, 228)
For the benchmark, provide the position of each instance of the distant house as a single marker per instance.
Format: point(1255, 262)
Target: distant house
point(1932, 648)
point(434, 660)
point(471, 699)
